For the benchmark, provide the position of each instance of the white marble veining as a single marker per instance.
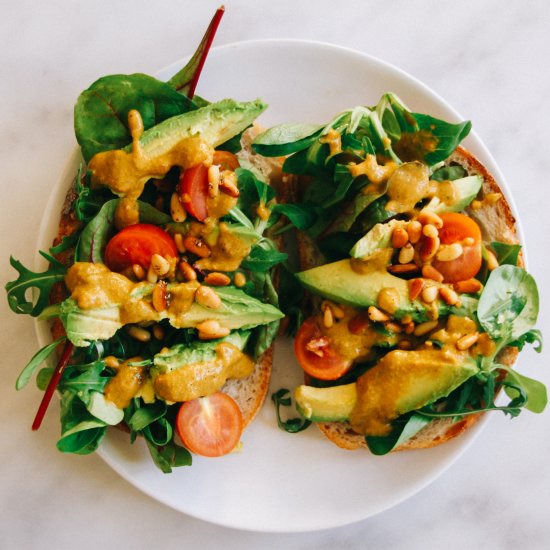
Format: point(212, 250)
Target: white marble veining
point(488, 59)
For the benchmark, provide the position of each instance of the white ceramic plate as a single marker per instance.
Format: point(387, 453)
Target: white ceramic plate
point(282, 482)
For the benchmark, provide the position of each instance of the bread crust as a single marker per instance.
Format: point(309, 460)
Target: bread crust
point(497, 222)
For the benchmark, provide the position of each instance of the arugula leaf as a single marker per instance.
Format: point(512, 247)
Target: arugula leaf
point(38, 358)
point(404, 428)
point(518, 385)
point(292, 425)
point(285, 139)
point(533, 336)
point(506, 253)
point(145, 415)
point(169, 456)
point(101, 111)
point(43, 282)
point(263, 258)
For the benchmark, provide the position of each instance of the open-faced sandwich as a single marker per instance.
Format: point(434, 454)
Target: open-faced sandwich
point(160, 283)
point(419, 301)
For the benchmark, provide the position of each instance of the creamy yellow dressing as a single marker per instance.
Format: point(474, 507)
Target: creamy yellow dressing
point(126, 383)
point(376, 173)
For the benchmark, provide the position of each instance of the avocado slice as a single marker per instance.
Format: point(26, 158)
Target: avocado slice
point(467, 189)
point(402, 381)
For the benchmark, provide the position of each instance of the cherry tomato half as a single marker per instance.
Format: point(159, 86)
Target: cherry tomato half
point(193, 188)
point(226, 160)
point(326, 364)
point(135, 244)
point(456, 228)
point(210, 426)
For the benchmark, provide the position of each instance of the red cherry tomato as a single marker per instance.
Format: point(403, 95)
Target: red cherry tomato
point(135, 244)
point(226, 160)
point(325, 363)
point(193, 188)
point(456, 228)
point(210, 426)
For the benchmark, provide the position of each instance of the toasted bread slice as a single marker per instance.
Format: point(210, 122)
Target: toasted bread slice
point(497, 223)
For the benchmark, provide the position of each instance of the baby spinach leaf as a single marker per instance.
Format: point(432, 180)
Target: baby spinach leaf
point(517, 384)
point(145, 415)
point(149, 214)
point(169, 456)
point(252, 191)
point(291, 425)
point(302, 216)
point(101, 111)
point(404, 428)
point(263, 259)
point(38, 358)
point(506, 253)
point(449, 173)
point(95, 235)
point(27, 279)
point(286, 139)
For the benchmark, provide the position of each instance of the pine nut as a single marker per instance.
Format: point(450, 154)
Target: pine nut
point(429, 294)
point(160, 265)
point(196, 246)
point(430, 272)
point(468, 241)
point(388, 300)
point(206, 297)
point(112, 362)
point(415, 288)
point(399, 237)
point(449, 252)
point(427, 217)
point(429, 248)
point(177, 211)
point(449, 296)
point(337, 311)
point(211, 329)
point(403, 269)
point(406, 319)
point(160, 296)
point(471, 286)
point(493, 198)
point(424, 328)
point(476, 205)
point(409, 328)
point(393, 327)
point(406, 254)
point(189, 274)
point(492, 262)
point(228, 183)
point(213, 180)
point(430, 230)
point(158, 332)
point(414, 230)
point(138, 333)
point(328, 319)
point(152, 276)
point(239, 279)
point(467, 341)
point(376, 315)
point(217, 279)
point(404, 345)
point(139, 272)
point(178, 239)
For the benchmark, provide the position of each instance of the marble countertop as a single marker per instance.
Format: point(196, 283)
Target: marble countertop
point(488, 59)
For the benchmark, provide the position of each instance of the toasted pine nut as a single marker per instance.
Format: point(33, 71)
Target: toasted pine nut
point(388, 299)
point(328, 319)
point(424, 328)
point(177, 211)
point(471, 286)
point(217, 279)
point(178, 239)
point(468, 241)
point(430, 230)
point(493, 198)
point(404, 344)
point(467, 341)
point(139, 272)
point(376, 315)
point(189, 274)
point(427, 217)
point(492, 262)
point(406, 319)
point(196, 246)
point(160, 265)
point(476, 205)
point(158, 332)
point(111, 361)
point(430, 272)
point(429, 248)
point(449, 295)
point(139, 333)
point(415, 288)
point(414, 230)
point(213, 180)
point(429, 294)
point(239, 279)
point(409, 328)
point(211, 329)
point(393, 327)
point(206, 297)
point(406, 254)
point(337, 311)
point(449, 252)
point(399, 237)
point(160, 296)
point(228, 183)
point(152, 276)
point(403, 269)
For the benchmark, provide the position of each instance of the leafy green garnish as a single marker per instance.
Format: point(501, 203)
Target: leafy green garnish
point(291, 425)
point(506, 253)
point(38, 358)
point(403, 429)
